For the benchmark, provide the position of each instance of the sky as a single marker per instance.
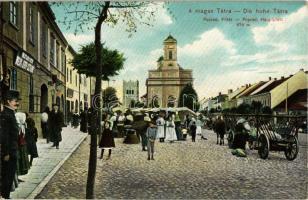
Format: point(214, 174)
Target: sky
point(222, 54)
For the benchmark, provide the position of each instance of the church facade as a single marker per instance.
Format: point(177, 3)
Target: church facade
point(165, 83)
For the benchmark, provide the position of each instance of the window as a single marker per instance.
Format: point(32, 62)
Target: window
point(71, 77)
point(67, 77)
point(52, 50)
point(58, 56)
point(62, 60)
point(31, 25)
point(13, 79)
point(44, 39)
point(132, 91)
point(76, 80)
point(31, 96)
point(170, 55)
point(13, 13)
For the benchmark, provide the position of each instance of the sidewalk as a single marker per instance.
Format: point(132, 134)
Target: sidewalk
point(48, 163)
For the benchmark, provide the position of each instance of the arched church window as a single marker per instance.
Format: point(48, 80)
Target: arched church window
point(170, 55)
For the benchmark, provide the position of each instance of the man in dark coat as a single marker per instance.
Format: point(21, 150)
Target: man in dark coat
point(83, 121)
point(56, 124)
point(9, 142)
point(141, 127)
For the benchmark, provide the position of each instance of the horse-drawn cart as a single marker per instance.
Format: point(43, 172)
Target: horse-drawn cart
point(265, 133)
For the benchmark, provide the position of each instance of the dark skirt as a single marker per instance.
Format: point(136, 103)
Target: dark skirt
point(107, 140)
point(23, 160)
point(32, 149)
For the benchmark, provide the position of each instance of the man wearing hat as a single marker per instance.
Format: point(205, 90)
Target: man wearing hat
point(9, 142)
point(141, 127)
point(56, 124)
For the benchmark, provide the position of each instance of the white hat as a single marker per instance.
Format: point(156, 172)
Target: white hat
point(130, 118)
point(147, 119)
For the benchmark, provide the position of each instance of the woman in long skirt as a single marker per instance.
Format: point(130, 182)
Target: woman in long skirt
point(160, 122)
point(170, 130)
point(199, 129)
point(31, 139)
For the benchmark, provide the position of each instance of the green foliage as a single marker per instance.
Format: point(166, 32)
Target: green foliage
point(256, 107)
point(85, 61)
point(188, 96)
point(267, 110)
point(109, 97)
point(244, 109)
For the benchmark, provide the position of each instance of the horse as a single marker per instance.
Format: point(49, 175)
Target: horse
point(220, 129)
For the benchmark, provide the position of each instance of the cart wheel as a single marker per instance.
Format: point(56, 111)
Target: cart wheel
point(264, 146)
point(230, 138)
point(291, 150)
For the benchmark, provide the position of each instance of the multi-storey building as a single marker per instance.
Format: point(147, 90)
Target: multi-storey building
point(34, 55)
point(78, 86)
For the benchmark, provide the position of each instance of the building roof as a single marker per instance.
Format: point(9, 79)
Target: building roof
point(297, 101)
point(250, 89)
point(170, 38)
point(271, 86)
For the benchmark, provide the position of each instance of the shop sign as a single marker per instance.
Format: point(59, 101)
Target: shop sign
point(25, 62)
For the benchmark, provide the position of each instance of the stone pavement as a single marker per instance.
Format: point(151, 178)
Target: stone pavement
point(183, 170)
point(49, 161)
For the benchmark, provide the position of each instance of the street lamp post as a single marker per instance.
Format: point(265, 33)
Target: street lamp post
point(191, 96)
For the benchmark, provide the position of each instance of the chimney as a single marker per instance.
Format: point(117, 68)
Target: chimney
point(302, 69)
point(246, 85)
point(249, 84)
point(269, 78)
point(282, 77)
point(275, 79)
point(219, 93)
point(230, 91)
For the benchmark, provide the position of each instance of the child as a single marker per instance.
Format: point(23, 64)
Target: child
point(107, 141)
point(151, 135)
point(31, 139)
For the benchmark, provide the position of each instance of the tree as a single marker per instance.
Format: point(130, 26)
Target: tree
point(256, 107)
point(267, 110)
point(188, 97)
point(244, 109)
point(79, 16)
point(110, 98)
point(85, 61)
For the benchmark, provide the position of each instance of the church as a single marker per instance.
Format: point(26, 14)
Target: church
point(165, 83)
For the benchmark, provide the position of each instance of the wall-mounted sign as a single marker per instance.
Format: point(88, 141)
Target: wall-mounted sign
point(25, 62)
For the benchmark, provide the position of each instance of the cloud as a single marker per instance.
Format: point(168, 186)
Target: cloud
point(204, 45)
point(162, 14)
point(78, 40)
point(267, 33)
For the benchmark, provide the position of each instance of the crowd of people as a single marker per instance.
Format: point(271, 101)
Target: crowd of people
point(147, 127)
point(19, 134)
point(18, 137)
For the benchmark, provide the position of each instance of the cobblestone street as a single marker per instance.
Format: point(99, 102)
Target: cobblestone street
point(182, 170)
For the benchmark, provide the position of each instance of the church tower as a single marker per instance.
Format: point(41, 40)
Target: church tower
point(165, 83)
point(170, 53)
